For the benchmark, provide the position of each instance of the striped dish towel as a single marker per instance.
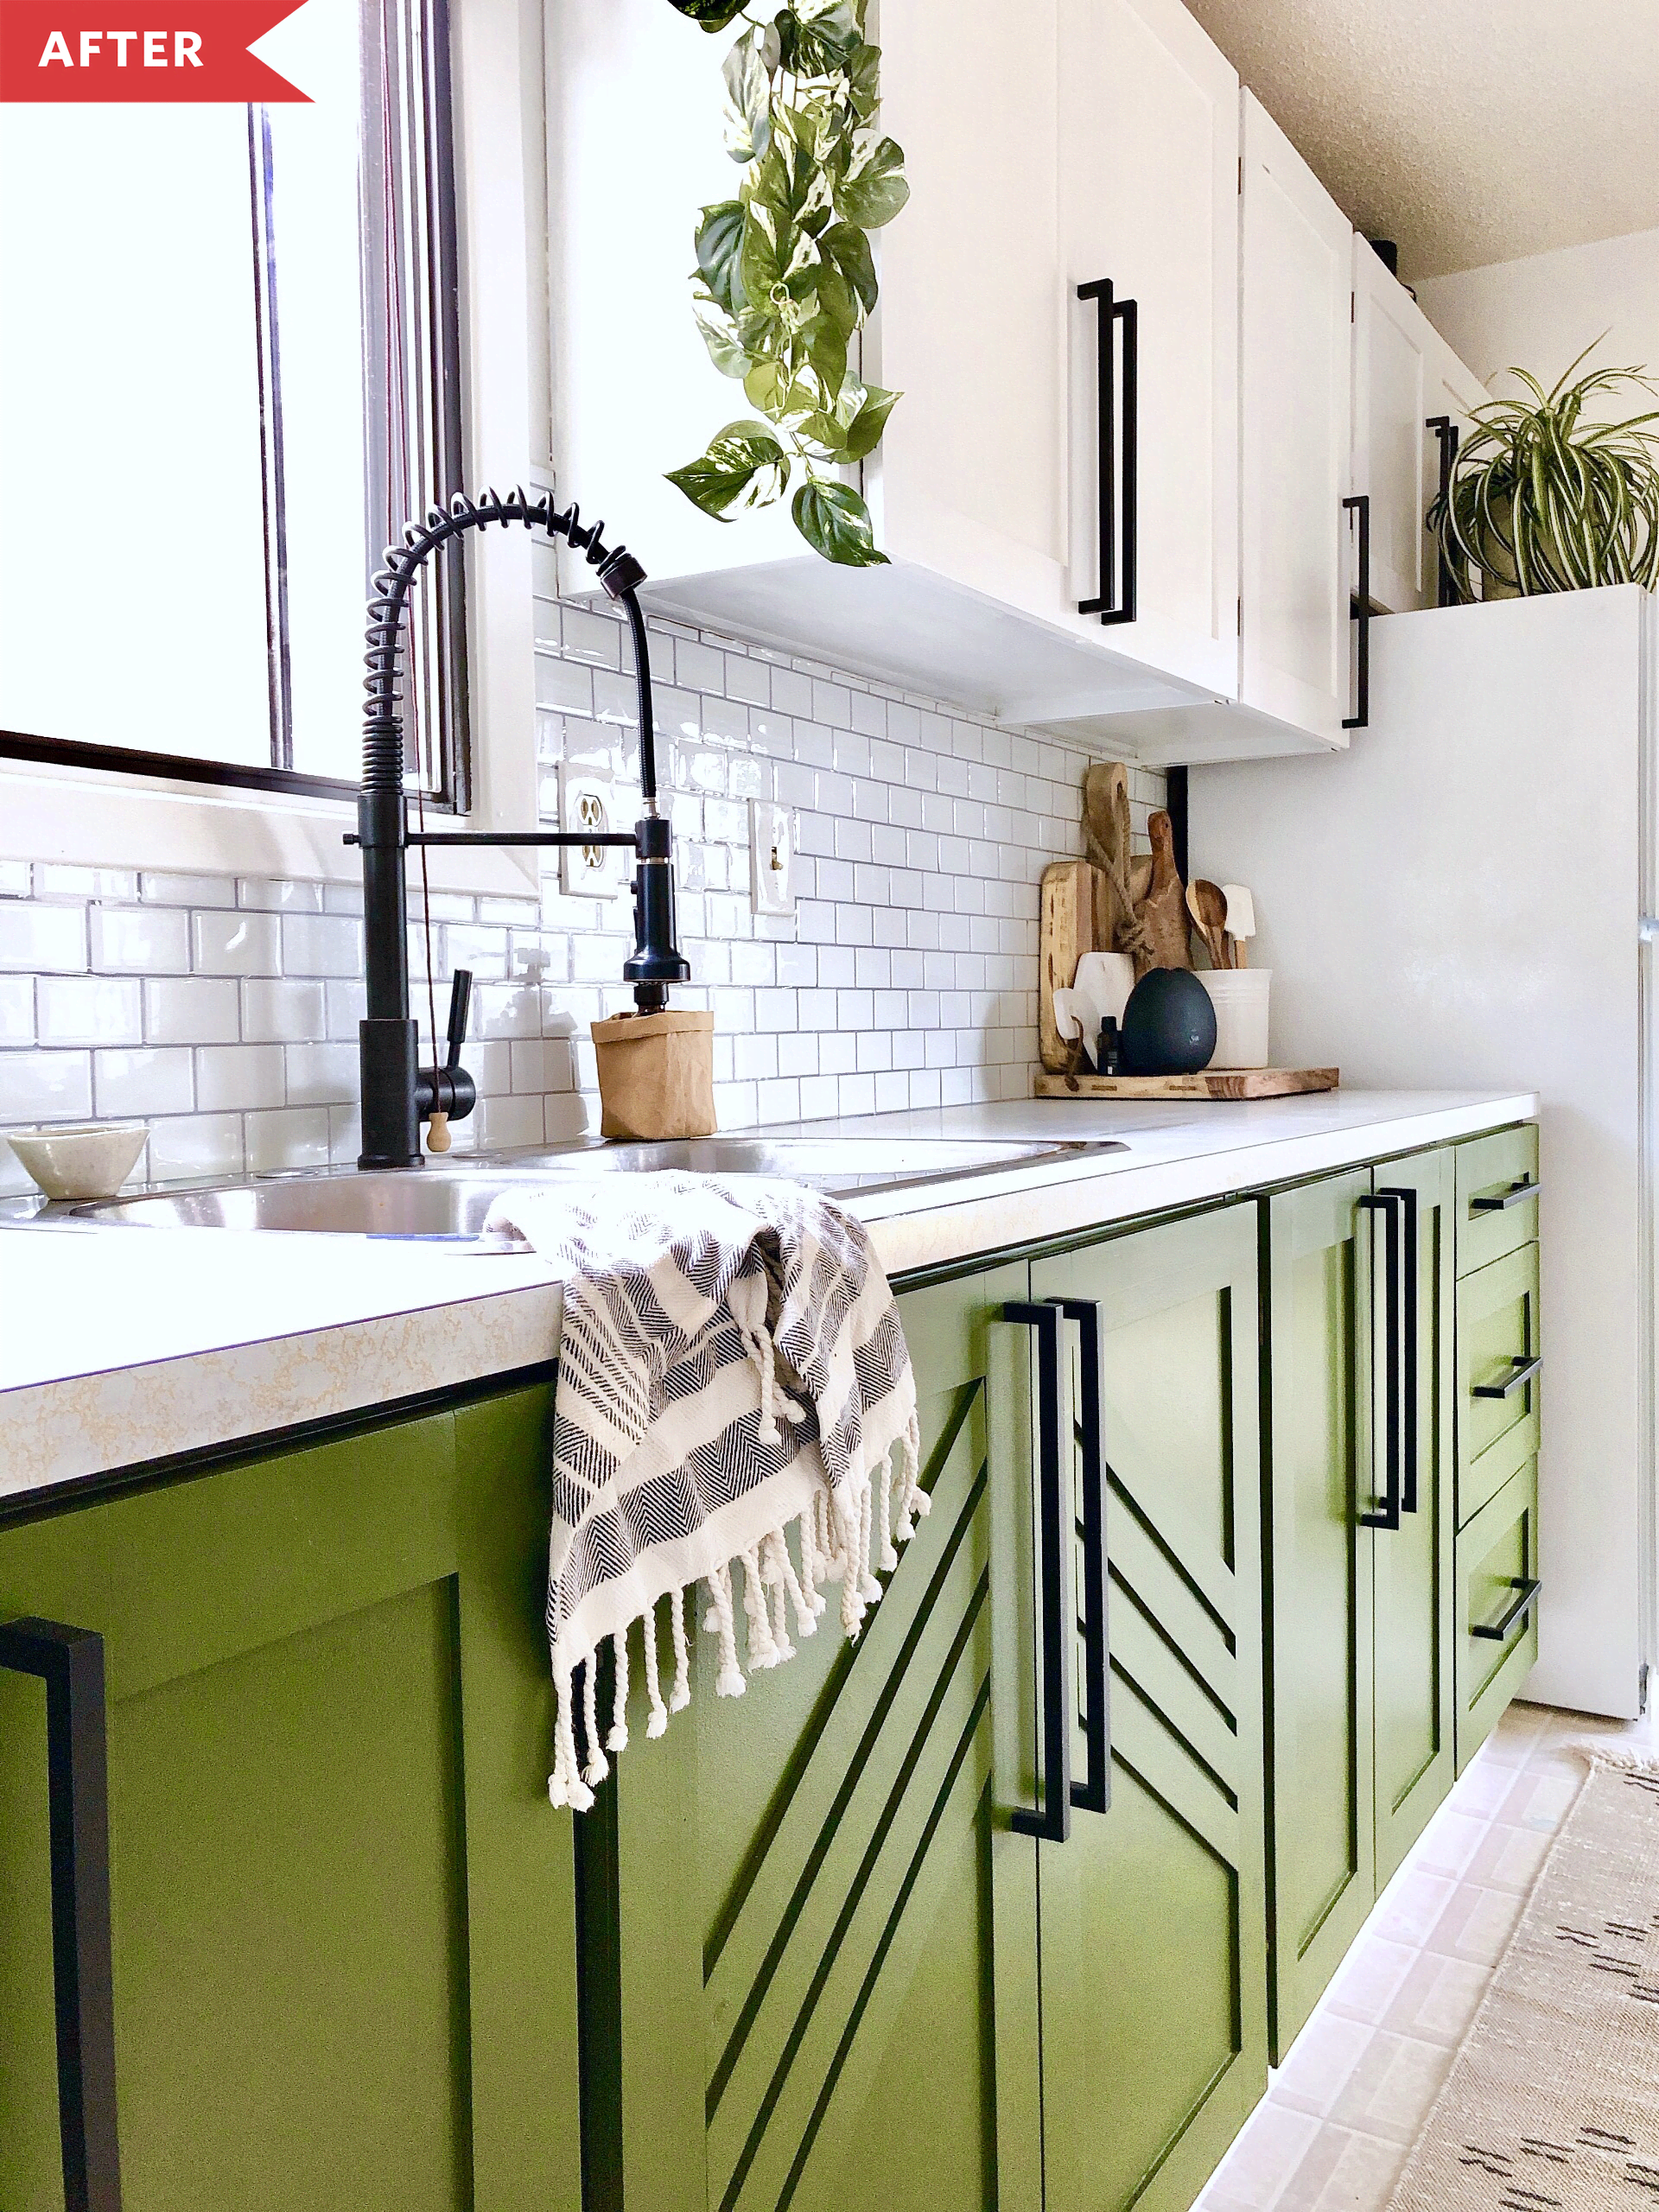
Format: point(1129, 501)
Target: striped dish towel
point(731, 1372)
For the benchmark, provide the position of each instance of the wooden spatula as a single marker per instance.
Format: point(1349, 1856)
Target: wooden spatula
point(1208, 908)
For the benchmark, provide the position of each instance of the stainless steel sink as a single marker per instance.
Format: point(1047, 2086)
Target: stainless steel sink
point(449, 1203)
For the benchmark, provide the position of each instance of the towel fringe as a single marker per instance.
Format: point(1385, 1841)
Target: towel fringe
point(834, 1536)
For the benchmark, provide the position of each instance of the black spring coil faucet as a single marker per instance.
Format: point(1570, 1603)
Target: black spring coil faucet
point(397, 1093)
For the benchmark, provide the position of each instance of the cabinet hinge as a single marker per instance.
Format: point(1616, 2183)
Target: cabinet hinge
point(1241, 171)
point(1353, 307)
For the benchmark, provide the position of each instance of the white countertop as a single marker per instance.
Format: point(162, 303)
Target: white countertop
point(121, 1346)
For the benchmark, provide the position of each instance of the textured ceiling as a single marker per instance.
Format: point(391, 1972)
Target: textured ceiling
point(1469, 130)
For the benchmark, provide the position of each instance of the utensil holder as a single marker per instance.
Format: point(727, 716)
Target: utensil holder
point(1240, 998)
point(657, 1075)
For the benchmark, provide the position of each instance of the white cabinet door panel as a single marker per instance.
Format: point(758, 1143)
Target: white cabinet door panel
point(1149, 199)
point(1295, 381)
point(1392, 443)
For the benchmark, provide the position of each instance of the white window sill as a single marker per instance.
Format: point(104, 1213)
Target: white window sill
point(88, 817)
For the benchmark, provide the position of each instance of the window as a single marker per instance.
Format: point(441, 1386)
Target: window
point(228, 375)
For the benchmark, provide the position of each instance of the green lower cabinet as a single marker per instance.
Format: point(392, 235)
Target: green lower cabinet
point(825, 1969)
point(1153, 1914)
point(1361, 1527)
point(794, 1901)
point(342, 1909)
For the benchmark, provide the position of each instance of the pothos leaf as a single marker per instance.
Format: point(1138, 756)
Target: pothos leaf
point(873, 193)
point(748, 93)
point(745, 467)
point(846, 246)
point(721, 336)
point(863, 81)
point(766, 383)
point(713, 15)
point(719, 242)
point(835, 522)
point(826, 348)
point(864, 431)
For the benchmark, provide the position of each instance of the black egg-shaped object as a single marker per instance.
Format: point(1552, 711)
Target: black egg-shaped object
point(1169, 1024)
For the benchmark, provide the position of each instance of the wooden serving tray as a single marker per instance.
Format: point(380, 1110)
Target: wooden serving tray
point(1209, 1082)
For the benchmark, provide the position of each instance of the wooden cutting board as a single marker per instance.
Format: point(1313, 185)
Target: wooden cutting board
point(1079, 911)
point(1209, 1082)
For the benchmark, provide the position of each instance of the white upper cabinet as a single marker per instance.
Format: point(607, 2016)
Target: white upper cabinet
point(1406, 378)
point(1298, 258)
point(1148, 203)
point(968, 490)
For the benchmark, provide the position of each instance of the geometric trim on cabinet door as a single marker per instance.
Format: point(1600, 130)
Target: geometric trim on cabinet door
point(755, 2023)
point(1153, 1932)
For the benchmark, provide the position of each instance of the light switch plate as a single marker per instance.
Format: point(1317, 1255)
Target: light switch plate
point(590, 800)
point(772, 858)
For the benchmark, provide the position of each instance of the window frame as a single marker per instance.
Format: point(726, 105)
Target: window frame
point(106, 806)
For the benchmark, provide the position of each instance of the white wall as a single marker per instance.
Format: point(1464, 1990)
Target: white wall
point(1539, 313)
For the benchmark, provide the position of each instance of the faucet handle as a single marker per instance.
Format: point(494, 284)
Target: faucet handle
point(461, 998)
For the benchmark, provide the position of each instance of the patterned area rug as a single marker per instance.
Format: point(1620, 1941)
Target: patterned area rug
point(1553, 2098)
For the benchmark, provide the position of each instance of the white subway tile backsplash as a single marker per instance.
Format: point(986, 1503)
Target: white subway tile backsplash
point(235, 944)
point(45, 1086)
point(231, 1077)
point(39, 940)
point(88, 1010)
point(140, 940)
point(152, 1080)
point(321, 944)
point(227, 1010)
point(191, 1010)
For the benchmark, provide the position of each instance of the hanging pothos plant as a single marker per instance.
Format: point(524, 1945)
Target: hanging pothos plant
point(785, 275)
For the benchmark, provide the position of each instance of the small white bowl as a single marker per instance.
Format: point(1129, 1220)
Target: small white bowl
point(89, 1160)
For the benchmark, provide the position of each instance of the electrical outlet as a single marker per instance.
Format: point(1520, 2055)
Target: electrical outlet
point(589, 800)
point(771, 856)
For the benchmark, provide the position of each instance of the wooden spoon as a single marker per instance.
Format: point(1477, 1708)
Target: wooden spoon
point(1208, 908)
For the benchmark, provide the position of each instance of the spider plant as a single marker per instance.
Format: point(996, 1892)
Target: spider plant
point(1541, 501)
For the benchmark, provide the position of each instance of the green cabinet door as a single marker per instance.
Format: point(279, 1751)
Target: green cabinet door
point(343, 1910)
point(796, 1924)
point(1153, 1914)
point(1413, 1695)
point(1360, 1557)
point(1319, 1619)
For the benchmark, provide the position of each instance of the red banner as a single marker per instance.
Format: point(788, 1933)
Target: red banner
point(171, 50)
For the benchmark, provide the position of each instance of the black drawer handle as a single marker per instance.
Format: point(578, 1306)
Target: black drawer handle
point(70, 1662)
point(1526, 1588)
point(1094, 1793)
point(1051, 1820)
point(1524, 1369)
point(1360, 505)
point(1111, 605)
point(1516, 1195)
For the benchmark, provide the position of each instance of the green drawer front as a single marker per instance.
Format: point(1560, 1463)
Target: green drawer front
point(1489, 1169)
point(1497, 1339)
point(1497, 1556)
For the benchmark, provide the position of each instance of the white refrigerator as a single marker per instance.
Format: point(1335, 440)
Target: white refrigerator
point(1464, 898)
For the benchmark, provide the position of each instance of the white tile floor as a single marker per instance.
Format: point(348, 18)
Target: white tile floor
point(1339, 2117)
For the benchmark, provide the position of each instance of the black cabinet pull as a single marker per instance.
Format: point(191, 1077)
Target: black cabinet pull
point(70, 1662)
point(1094, 1793)
point(1360, 505)
point(1517, 1195)
point(1113, 605)
point(1524, 1370)
point(1387, 1203)
point(1409, 1301)
point(1526, 1588)
point(1053, 1818)
point(1445, 431)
